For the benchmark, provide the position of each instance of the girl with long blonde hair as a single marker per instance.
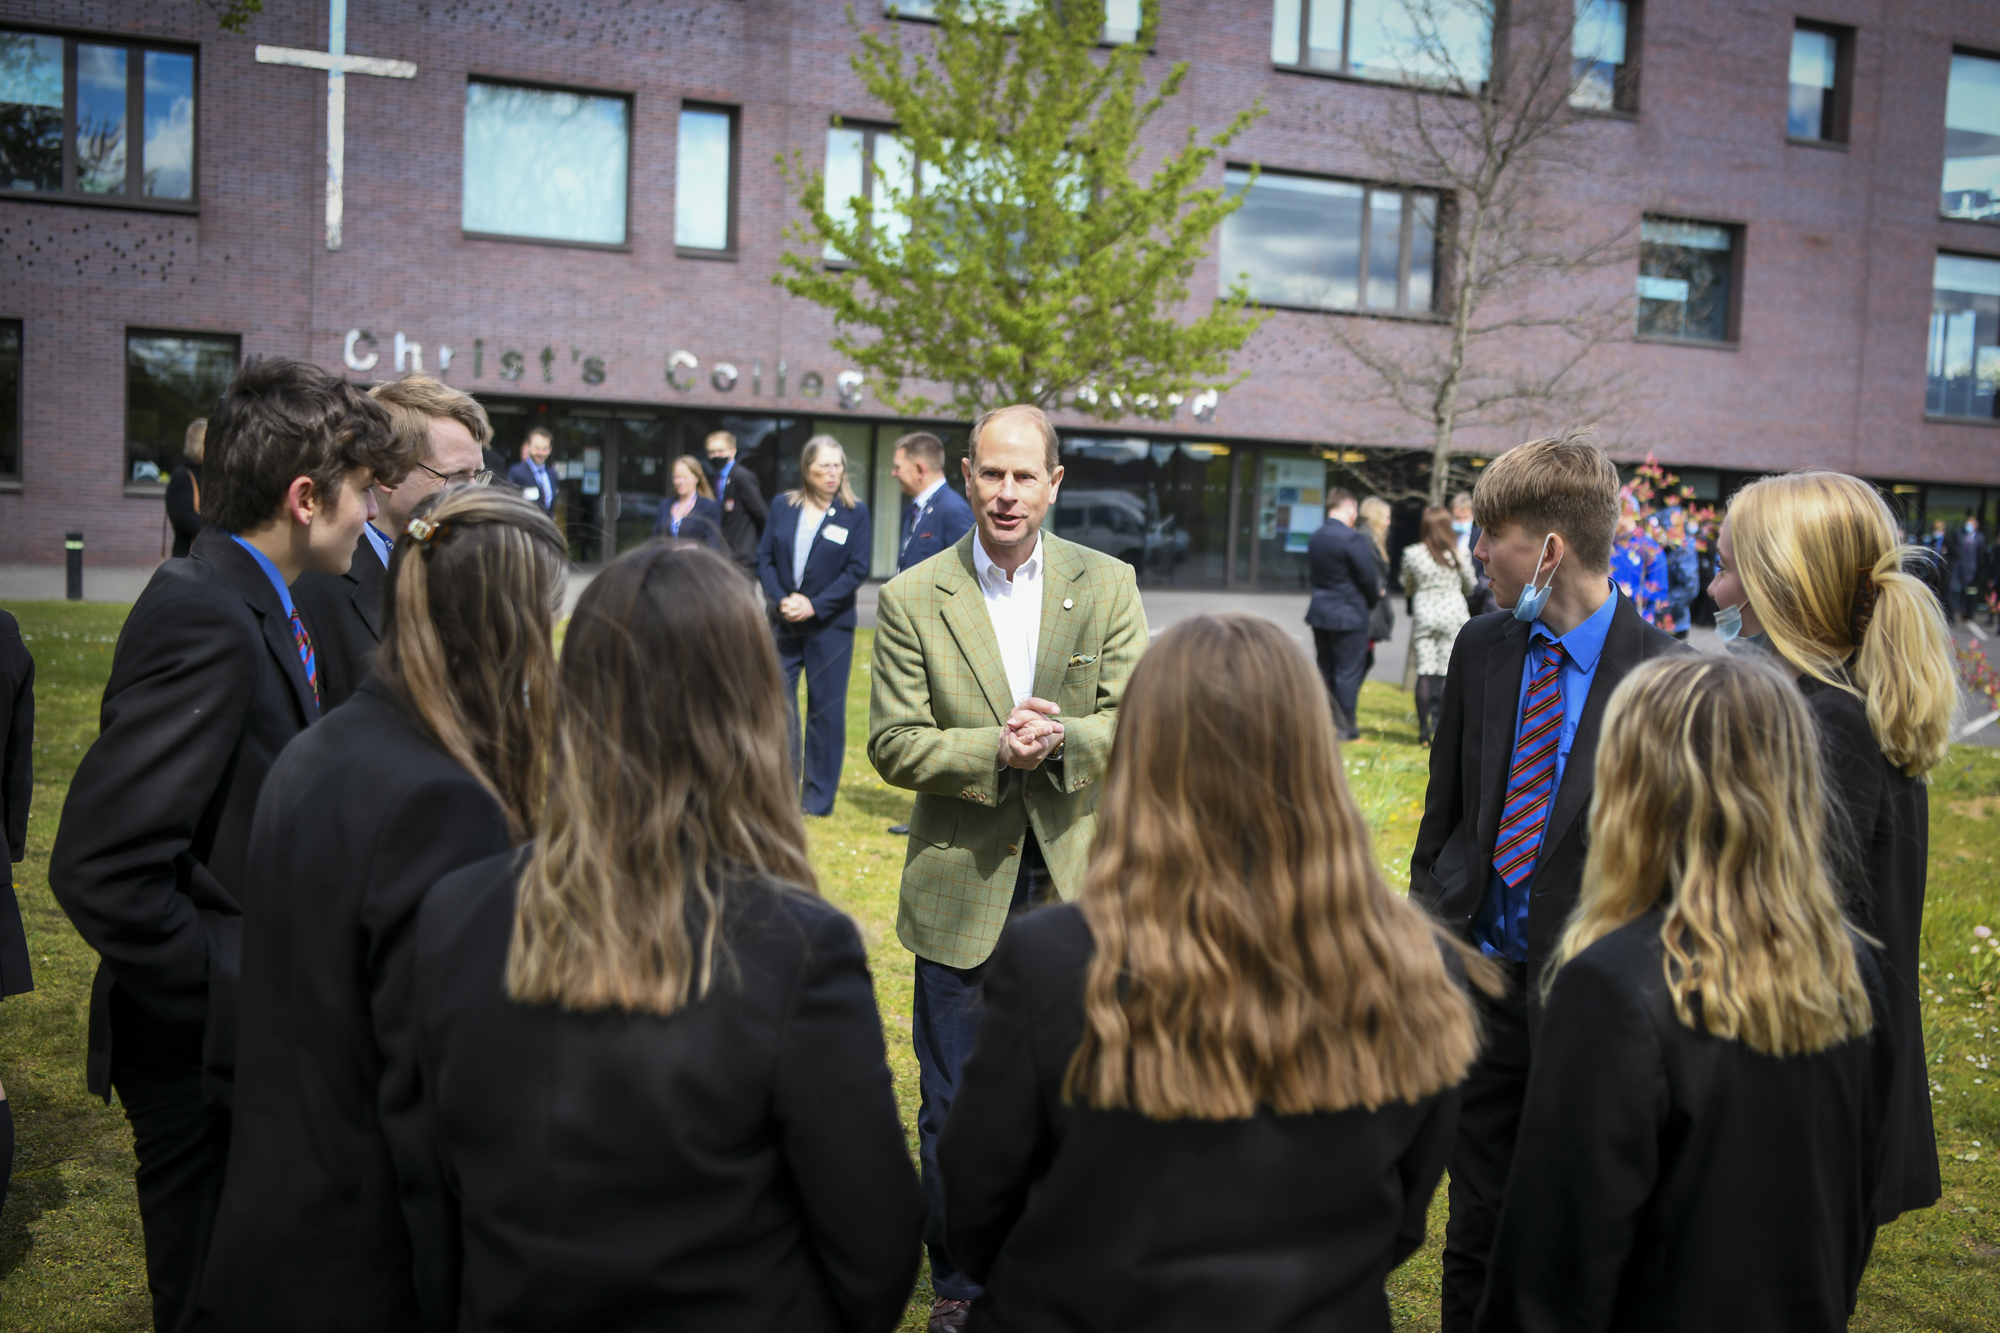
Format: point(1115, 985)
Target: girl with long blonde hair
point(1709, 1055)
point(1219, 1090)
point(650, 1049)
point(1811, 566)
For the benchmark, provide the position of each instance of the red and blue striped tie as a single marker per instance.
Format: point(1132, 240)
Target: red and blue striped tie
point(1531, 781)
point(306, 656)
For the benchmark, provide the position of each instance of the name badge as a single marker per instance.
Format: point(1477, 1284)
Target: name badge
point(531, 492)
point(838, 536)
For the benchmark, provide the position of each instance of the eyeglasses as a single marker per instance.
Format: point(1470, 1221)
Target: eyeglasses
point(479, 478)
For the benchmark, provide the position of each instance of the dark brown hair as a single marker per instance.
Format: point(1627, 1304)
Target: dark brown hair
point(469, 609)
point(281, 420)
point(1439, 537)
point(670, 778)
point(1563, 484)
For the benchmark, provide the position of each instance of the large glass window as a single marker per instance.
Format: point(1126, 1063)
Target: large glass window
point(867, 169)
point(1972, 139)
point(543, 164)
point(1963, 373)
point(1330, 245)
point(170, 379)
point(1685, 279)
point(1601, 46)
point(88, 150)
point(1448, 43)
point(1817, 110)
point(704, 180)
point(10, 397)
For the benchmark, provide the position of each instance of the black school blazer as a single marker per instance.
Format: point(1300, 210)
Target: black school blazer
point(736, 1165)
point(1667, 1179)
point(1080, 1219)
point(343, 613)
point(151, 856)
point(333, 1216)
point(1453, 858)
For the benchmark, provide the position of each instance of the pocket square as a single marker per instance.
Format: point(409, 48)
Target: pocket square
point(1079, 659)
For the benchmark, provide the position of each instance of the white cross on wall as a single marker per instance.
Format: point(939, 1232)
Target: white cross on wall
point(338, 65)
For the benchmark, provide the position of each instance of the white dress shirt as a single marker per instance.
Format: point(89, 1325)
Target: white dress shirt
point(1016, 609)
point(802, 540)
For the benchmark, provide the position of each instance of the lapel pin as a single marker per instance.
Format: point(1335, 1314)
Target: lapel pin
point(1068, 602)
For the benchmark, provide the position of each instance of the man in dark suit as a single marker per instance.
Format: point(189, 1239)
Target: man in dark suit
point(936, 516)
point(744, 510)
point(532, 472)
point(1499, 854)
point(444, 432)
point(1345, 587)
point(213, 673)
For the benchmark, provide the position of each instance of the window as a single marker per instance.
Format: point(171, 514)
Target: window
point(1601, 44)
point(1330, 245)
point(544, 164)
point(10, 397)
point(1121, 17)
point(1964, 363)
point(1820, 61)
point(1379, 39)
point(80, 147)
point(1972, 139)
point(1686, 272)
point(170, 379)
point(705, 180)
point(867, 170)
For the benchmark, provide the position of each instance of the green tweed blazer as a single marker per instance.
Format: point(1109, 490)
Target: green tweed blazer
point(935, 711)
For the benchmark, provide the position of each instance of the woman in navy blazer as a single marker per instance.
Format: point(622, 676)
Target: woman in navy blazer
point(811, 562)
point(692, 515)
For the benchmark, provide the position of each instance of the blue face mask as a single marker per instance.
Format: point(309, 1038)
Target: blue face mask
point(1728, 623)
point(1533, 599)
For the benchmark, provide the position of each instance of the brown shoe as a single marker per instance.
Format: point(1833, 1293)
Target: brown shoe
point(948, 1316)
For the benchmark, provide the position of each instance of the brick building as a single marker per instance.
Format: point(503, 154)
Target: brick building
point(574, 211)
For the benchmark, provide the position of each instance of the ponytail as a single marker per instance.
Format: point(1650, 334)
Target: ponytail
point(1904, 669)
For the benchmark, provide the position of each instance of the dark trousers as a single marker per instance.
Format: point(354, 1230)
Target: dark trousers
point(182, 1143)
point(942, 1029)
point(1489, 1121)
point(824, 656)
point(1343, 661)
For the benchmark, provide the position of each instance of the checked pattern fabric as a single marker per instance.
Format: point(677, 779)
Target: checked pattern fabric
point(1531, 782)
point(306, 656)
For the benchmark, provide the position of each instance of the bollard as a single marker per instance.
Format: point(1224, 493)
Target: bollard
point(73, 547)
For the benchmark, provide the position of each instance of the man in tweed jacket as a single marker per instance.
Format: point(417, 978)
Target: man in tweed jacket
point(998, 667)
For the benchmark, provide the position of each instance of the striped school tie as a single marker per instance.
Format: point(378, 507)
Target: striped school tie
point(1531, 782)
point(306, 656)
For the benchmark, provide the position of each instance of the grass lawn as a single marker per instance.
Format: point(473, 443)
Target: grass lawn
point(71, 1256)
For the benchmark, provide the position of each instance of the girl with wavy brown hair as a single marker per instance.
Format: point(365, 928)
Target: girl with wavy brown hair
point(1219, 1090)
point(1812, 566)
point(333, 1201)
point(651, 1050)
point(1702, 1139)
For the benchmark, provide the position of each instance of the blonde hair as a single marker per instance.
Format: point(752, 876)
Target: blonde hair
point(415, 399)
point(1709, 800)
point(1563, 484)
point(1248, 952)
point(469, 610)
point(1374, 519)
point(670, 778)
point(809, 455)
point(194, 439)
point(1819, 558)
point(701, 486)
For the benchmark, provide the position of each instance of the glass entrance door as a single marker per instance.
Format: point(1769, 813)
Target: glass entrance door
point(644, 449)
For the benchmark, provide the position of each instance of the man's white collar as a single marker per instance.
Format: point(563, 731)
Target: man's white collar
point(984, 563)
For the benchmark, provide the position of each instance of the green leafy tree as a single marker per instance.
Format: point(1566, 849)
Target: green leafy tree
point(233, 15)
point(1007, 251)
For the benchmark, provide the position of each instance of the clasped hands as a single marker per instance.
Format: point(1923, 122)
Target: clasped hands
point(1030, 735)
point(795, 608)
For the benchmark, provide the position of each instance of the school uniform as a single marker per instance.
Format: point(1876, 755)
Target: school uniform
point(344, 614)
point(17, 788)
point(933, 521)
point(738, 1164)
point(1880, 833)
point(209, 681)
point(835, 561)
point(1499, 857)
point(703, 522)
point(1079, 1219)
point(1667, 1178)
point(334, 1219)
